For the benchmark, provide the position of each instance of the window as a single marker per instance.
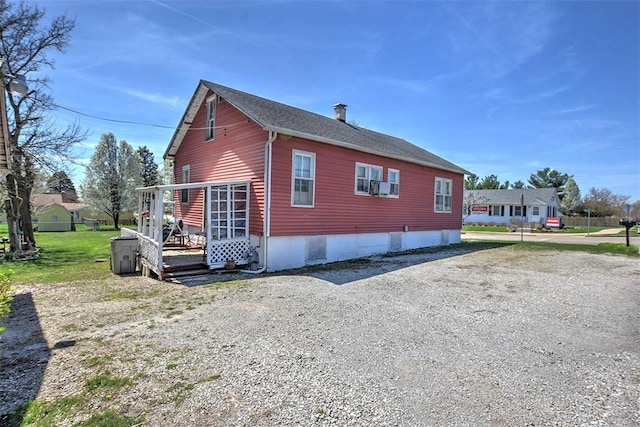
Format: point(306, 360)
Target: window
point(519, 210)
point(303, 179)
point(443, 195)
point(496, 210)
point(211, 119)
point(393, 176)
point(536, 210)
point(186, 171)
point(364, 174)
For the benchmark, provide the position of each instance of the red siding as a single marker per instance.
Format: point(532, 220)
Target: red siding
point(338, 210)
point(236, 154)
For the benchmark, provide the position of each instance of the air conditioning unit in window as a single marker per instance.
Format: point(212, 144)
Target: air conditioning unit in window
point(379, 188)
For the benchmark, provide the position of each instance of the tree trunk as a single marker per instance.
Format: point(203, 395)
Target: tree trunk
point(12, 207)
point(25, 214)
point(116, 221)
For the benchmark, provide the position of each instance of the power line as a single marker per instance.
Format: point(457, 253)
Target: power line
point(132, 122)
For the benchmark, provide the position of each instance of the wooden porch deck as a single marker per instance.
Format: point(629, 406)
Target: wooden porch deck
point(181, 261)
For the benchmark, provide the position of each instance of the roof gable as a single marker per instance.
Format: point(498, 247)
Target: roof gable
point(288, 120)
point(48, 199)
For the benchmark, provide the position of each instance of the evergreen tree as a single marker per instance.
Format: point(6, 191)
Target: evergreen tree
point(60, 182)
point(548, 177)
point(471, 182)
point(148, 167)
point(490, 182)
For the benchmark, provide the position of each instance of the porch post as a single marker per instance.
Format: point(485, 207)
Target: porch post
point(157, 224)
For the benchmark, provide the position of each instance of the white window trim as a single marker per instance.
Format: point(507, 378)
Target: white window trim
point(313, 177)
point(185, 191)
point(210, 124)
point(368, 177)
point(397, 172)
point(450, 195)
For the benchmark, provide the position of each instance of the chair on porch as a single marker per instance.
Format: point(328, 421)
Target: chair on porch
point(173, 232)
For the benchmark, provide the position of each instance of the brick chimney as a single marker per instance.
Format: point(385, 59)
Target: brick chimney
point(340, 112)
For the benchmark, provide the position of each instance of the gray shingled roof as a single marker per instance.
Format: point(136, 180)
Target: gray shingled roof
point(281, 118)
point(532, 196)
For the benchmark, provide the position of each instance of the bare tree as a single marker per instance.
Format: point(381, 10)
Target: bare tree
point(33, 140)
point(471, 198)
point(604, 202)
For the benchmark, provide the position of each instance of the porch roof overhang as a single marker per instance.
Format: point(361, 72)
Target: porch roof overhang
point(186, 186)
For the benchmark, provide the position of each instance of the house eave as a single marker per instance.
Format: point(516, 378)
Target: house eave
point(290, 132)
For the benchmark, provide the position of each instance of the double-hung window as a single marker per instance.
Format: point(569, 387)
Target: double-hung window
point(186, 172)
point(364, 175)
point(303, 179)
point(211, 119)
point(442, 192)
point(393, 176)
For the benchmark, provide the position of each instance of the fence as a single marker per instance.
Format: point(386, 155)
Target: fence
point(581, 221)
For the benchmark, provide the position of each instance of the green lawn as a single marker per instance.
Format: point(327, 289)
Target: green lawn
point(64, 256)
point(84, 255)
point(503, 229)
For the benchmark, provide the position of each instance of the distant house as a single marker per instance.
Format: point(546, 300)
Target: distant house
point(300, 187)
point(532, 205)
point(52, 214)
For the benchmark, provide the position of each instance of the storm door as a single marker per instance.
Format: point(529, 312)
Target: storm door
point(228, 233)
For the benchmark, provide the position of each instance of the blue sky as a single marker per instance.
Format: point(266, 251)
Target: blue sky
point(503, 88)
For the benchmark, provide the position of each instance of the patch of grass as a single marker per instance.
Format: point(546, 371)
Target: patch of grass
point(108, 419)
point(64, 255)
point(174, 312)
point(171, 366)
point(618, 248)
point(601, 248)
point(42, 413)
point(107, 381)
point(72, 327)
point(94, 361)
point(487, 228)
point(5, 296)
point(504, 229)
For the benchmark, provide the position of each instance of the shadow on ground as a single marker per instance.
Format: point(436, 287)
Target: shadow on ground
point(344, 272)
point(24, 355)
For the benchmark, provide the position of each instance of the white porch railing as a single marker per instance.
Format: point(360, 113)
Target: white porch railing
point(150, 252)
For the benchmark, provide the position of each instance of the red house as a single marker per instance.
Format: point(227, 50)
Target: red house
point(300, 187)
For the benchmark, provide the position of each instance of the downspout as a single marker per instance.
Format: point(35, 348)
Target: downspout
point(267, 201)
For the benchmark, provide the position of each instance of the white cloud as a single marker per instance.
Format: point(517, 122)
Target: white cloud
point(174, 102)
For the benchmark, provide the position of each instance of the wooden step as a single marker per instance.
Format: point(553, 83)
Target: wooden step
point(184, 267)
point(186, 273)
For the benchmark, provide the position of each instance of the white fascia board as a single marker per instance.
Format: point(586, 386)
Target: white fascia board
point(188, 116)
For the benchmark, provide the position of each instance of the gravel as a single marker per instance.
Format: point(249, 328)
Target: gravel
point(493, 337)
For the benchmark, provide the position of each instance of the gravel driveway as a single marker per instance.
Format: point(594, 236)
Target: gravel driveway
point(493, 337)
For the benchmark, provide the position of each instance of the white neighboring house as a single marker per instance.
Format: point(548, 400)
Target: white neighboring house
point(534, 205)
